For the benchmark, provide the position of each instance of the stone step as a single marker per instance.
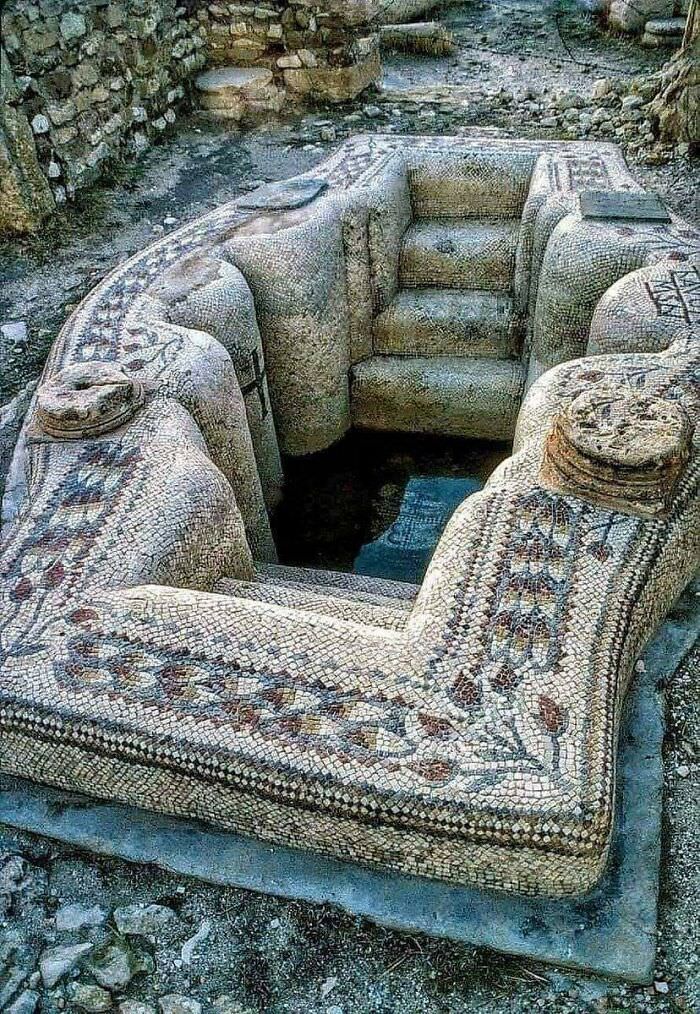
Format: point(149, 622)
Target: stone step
point(430, 37)
point(661, 32)
point(443, 395)
point(233, 92)
point(391, 614)
point(480, 183)
point(459, 254)
point(339, 583)
point(453, 322)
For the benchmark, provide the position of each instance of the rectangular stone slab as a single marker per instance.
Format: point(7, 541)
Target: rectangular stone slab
point(284, 195)
point(610, 931)
point(640, 207)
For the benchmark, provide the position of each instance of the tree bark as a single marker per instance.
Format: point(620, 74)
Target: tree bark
point(677, 105)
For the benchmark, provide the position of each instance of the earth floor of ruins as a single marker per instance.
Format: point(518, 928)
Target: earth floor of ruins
point(262, 953)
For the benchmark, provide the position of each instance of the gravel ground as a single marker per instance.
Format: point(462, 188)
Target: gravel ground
point(516, 68)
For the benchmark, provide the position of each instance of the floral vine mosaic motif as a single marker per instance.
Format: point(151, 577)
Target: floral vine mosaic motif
point(154, 652)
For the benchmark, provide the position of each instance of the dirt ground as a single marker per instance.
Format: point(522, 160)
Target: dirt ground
point(513, 63)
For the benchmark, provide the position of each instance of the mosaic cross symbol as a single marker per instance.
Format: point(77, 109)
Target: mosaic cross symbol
point(258, 383)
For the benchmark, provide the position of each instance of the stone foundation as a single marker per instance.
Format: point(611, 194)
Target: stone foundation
point(84, 84)
point(87, 84)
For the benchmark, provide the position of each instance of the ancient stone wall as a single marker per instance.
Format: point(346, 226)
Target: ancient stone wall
point(87, 81)
point(309, 49)
point(295, 33)
point(93, 80)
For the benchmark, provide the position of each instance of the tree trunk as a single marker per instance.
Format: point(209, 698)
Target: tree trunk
point(677, 106)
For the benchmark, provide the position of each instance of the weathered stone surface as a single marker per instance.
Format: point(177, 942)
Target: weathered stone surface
point(429, 37)
point(337, 84)
point(225, 81)
point(142, 919)
point(15, 332)
point(611, 931)
point(87, 399)
point(57, 962)
point(664, 32)
point(73, 25)
point(61, 113)
point(187, 951)
point(58, 58)
point(88, 997)
point(284, 195)
point(289, 62)
point(620, 448)
point(677, 105)
point(315, 273)
point(40, 124)
point(25, 196)
point(176, 1003)
point(640, 207)
point(76, 917)
point(25, 1003)
point(11, 419)
point(115, 964)
point(632, 15)
point(228, 1004)
point(233, 92)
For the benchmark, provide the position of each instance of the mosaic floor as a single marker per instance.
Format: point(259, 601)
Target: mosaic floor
point(464, 730)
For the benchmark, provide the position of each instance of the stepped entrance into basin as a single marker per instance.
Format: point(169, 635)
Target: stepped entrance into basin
point(377, 504)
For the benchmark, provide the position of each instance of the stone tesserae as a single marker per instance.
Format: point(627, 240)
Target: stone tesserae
point(468, 737)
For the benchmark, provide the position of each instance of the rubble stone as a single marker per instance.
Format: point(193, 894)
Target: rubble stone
point(57, 962)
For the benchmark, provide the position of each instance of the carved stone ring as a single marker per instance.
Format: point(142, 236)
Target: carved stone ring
point(87, 399)
point(618, 447)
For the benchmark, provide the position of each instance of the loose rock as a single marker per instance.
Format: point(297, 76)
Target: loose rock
point(56, 962)
point(76, 917)
point(142, 920)
point(15, 332)
point(89, 998)
point(25, 1003)
point(175, 1003)
point(115, 964)
point(199, 937)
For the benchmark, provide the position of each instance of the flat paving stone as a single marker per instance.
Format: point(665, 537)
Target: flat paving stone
point(674, 27)
point(640, 207)
point(284, 195)
point(236, 79)
point(610, 931)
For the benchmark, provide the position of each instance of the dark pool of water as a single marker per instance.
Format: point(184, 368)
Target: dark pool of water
point(376, 503)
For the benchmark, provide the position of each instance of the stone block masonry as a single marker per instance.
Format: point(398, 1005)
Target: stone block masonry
point(85, 84)
point(311, 50)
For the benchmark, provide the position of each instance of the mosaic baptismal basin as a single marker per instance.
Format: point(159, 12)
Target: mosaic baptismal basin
point(154, 652)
